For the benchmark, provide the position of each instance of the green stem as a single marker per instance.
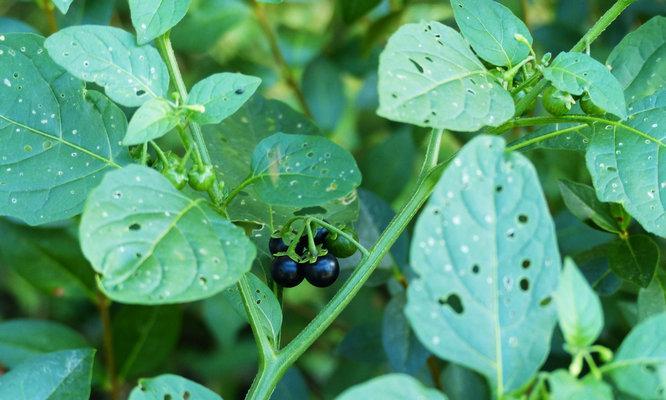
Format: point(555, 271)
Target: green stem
point(164, 45)
point(432, 151)
point(160, 153)
point(342, 233)
point(247, 182)
point(591, 35)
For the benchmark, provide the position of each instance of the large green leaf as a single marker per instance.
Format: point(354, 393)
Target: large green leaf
point(626, 162)
point(635, 368)
point(110, 57)
point(22, 339)
point(485, 251)
point(391, 387)
point(578, 308)
point(634, 259)
point(154, 119)
point(152, 245)
point(563, 386)
point(577, 73)
point(56, 139)
point(639, 60)
point(491, 29)
point(63, 375)
point(221, 95)
point(151, 18)
point(428, 76)
point(171, 387)
point(302, 170)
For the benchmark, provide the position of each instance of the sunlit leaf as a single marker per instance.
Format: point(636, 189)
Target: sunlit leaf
point(152, 120)
point(171, 387)
point(221, 95)
point(151, 18)
point(391, 387)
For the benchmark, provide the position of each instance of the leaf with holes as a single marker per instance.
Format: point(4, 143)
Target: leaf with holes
point(428, 76)
point(625, 160)
point(491, 29)
point(152, 245)
point(154, 119)
point(110, 57)
point(62, 375)
point(634, 259)
point(302, 171)
point(171, 387)
point(485, 252)
point(638, 365)
point(221, 95)
point(22, 339)
point(270, 312)
point(581, 200)
point(151, 18)
point(563, 386)
point(578, 308)
point(639, 60)
point(578, 73)
point(391, 387)
point(55, 142)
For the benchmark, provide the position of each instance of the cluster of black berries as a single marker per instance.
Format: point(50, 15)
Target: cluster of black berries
point(323, 272)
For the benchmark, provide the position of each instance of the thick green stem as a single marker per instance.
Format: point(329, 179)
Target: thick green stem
point(591, 35)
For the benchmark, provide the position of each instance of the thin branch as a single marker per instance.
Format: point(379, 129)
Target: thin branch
point(103, 305)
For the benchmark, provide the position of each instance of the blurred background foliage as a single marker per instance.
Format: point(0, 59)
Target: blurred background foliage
point(320, 57)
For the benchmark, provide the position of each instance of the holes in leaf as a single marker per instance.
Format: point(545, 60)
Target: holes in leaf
point(417, 65)
point(135, 227)
point(545, 301)
point(526, 263)
point(239, 91)
point(394, 95)
point(117, 195)
point(510, 234)
point(524, 284)
point(428, 58)
point(140, 92)
point(310, 211)
point(203, 281)
point(470, 91)
point(476, 269)
point(138, 255)
point(186, 395)
point(454, 302)
point(168, 397)
point(522, 218)
point(499, 188)
point(310, 154)
point(611, 169)
point(650, 368)
point(15, 75)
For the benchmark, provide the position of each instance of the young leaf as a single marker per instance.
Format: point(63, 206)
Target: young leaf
point(651, 300)
point(577, 73)
point(151, 18)
point(152, 245)
point(56, 139)
point(491, 29)
point(22, 339)
point(63, 5)
point(152, 120)
point(63, 375)
point(302, 171)
point(639, 60)
point(428, 76)
point(634, 259)
point(488, 263)
point(108, 56)
point(624, 162)
point(269, 308)
point(635, 368)
point(171, 387)
point(221, 95)
point(403, 349)
point(581, 200)
point(563, 386)
point(578, 308)
point(391, 387)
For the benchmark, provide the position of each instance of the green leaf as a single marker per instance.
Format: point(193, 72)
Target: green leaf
point(154, 119)
point(302, 171)
point(221, 95)
point(63, 375)
point(491, 29)
point(578, 73)
point(151, 18)
point(651, 300)
point(485, 252)
point(171, 387)
point(22, 339)
point(324, 91)
point(143, 337)
point(624, 160)
point(391, 387)
point(56, 139)
point(635, 366)
point(582, 201)
point(152, 245)
point(110, 57)
point(353, 10)
point(563, 386)
point(63, 5)
point(270, 312)
point(639, 60)
point(428, 76)
point(49, 259)
point(634, 259)
point(578, 308)
point(404, 351)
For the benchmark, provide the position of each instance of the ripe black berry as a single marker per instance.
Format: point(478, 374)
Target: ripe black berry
point(286, 272)
point(277, 245)
point(323, 272)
